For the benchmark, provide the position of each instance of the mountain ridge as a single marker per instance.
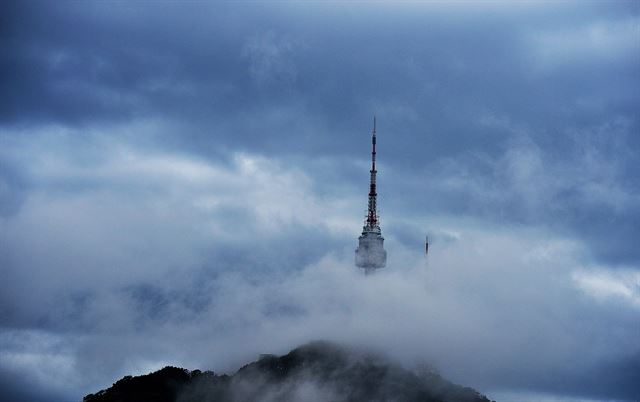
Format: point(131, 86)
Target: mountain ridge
point(318, 371)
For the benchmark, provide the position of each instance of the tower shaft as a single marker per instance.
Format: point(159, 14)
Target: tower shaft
point(370, 253)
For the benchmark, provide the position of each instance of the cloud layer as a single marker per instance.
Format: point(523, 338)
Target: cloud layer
point(184, 185)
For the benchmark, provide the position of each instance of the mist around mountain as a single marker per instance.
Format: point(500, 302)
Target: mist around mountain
point(318, 371)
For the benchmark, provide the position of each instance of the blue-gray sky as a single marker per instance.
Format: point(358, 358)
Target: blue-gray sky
point(184, 183)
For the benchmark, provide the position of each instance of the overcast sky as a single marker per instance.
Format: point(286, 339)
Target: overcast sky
point(184, 183)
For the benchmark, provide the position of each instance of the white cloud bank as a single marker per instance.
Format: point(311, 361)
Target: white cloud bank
point(119, 270)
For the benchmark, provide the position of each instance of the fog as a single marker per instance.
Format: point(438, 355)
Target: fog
point(185, 186)
point(203, 267)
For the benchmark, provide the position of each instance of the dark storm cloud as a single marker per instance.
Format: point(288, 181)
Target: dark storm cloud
point(175, 163)
point(229, 78)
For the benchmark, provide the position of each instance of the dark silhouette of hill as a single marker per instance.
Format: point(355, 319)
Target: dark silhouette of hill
point(319, 371)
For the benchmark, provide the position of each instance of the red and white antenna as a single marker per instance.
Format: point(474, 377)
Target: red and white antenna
point(370, 253)
point(372, 213)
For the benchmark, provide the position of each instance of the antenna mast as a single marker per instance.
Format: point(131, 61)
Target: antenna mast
point(370, 253)
point(372, 213)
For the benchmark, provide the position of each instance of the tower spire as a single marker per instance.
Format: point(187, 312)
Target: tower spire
point(370, 253)
point(372, 213)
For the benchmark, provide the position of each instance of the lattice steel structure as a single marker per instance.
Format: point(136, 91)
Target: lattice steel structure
point(370, 254)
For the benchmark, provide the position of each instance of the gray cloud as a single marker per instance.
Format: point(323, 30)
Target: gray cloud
point(195, 175)
point(173, 266)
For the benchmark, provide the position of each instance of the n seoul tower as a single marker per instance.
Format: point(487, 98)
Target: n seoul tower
point(370, 253)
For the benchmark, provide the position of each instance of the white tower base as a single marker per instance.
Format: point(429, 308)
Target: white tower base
point(370, 253)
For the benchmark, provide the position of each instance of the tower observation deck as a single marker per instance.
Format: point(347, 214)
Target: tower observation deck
point(370, 254)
